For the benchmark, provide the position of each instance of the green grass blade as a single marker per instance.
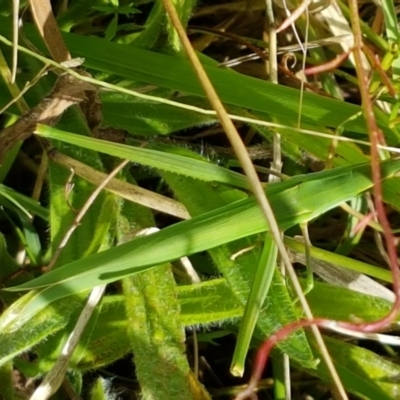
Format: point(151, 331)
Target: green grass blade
point(275, 100)
point(346, 153)
point(259, 290)
point(156, 159)
point(339, 260)
point(291, 204)
point(259, 95)
point(339, 303)
point(293, 201)
point(208, 302)
point(23, 203)
point(391, 23)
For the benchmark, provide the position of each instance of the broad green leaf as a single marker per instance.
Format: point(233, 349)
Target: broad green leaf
point(106, 338)
point(94, 228)
point(362, 372)
point(154, 330)
point(342, 304)
point(156, 335)
point(293, 201)
point(147, 118)
point(32, 331)
point(208, 302)
point(49, 330)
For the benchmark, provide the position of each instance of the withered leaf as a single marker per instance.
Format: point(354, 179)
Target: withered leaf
point(67, 91)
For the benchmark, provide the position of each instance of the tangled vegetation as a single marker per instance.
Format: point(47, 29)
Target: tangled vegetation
point(199, 200)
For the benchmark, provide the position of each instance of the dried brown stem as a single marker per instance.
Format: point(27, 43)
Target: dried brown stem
point(67, 92)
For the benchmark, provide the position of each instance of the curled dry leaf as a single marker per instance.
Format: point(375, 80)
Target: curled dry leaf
point(48, 28)
point(67, 91)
